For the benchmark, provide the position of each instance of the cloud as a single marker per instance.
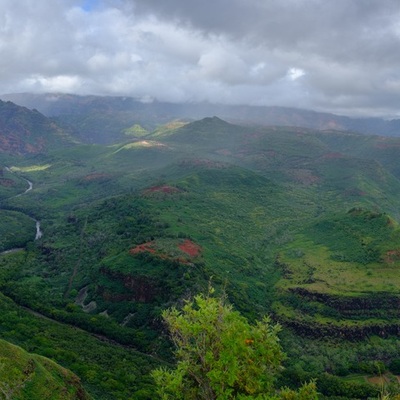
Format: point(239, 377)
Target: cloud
point(337, 56)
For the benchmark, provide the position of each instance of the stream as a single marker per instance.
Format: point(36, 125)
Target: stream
point(30, 187)
point(39, 232)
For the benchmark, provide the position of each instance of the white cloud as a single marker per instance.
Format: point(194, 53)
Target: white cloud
point(335, 56)
point(295, 73)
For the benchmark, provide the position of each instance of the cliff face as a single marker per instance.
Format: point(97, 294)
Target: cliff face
point(352, 317)
point(136, 288)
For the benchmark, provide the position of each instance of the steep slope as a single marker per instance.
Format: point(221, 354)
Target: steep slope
point(23, 131)
point(29, 376)
point(101, 120)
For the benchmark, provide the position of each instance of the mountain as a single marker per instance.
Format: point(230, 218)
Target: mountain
point(292, 222)
point(102, 119)
point(23, 131)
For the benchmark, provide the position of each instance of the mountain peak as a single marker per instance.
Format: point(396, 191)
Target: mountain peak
point(208, 124)
point(24, 131)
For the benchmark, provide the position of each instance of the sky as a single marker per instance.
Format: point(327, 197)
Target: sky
point(339, 56)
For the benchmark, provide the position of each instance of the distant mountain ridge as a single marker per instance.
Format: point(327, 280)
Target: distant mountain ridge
point(127, 111)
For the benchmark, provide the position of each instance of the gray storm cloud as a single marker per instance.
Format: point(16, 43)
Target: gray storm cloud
point(339, 56)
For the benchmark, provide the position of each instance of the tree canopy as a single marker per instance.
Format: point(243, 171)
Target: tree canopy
point(222, 356)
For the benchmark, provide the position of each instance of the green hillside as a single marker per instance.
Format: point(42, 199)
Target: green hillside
point(295, 223)
point(23, 131)
point(340, 274)
point(29, 376)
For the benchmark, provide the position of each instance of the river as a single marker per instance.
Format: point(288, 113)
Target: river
point(30, 187)
point(39, 232)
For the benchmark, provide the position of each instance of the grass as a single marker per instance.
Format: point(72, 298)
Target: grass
point(342, 272)
point(349, 255)
point(337, 277)
point(31, 168)
point(24, 375)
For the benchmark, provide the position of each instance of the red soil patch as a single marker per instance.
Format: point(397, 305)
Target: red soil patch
point(162, 189)
point(187, 246)
point(190, 248)
point(141, 248)
point(392, 256)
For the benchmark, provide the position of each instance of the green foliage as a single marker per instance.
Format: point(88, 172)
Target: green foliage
point(108, 371)
point(136, 131)
point(221, 356)
point(355, 236)
point(331, 385)
point(29, 376)
point(268, 208)
point(394, 366)
point(16, 229)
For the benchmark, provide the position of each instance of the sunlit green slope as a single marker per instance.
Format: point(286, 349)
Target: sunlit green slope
point(28, 376)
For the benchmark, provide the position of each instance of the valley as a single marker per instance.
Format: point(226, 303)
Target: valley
point(293, 222)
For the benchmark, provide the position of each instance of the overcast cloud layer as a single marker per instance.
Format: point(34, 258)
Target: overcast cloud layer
point(341, 56)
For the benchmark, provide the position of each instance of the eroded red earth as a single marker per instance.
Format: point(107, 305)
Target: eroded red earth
point(392, 256)
point(142, 248)
point(191, 250)
point(162, 189)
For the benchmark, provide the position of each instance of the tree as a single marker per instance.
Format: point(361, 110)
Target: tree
point(221, 356)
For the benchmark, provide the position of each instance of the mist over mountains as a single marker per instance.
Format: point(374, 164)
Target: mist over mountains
point(114, 114)
point(155, 152)
point(24, 131)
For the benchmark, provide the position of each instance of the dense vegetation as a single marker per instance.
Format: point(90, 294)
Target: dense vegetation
point(298, 224)
point(221, 356)
point(28, 376)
